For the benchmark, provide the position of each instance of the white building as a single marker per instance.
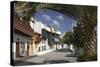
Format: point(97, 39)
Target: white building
point(22, 39)
point(38, 26)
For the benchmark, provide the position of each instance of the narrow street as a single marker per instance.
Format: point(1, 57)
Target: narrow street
point(57, 56)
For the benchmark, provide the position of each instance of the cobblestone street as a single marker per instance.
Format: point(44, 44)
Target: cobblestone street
point(57, 56)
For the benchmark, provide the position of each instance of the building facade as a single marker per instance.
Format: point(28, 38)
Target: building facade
point(22, 39)
point(29, 40)
point(45, 37)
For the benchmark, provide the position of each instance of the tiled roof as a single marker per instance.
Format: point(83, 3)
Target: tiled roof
point(22, 27)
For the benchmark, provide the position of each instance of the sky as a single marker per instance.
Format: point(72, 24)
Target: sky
point(51, 17)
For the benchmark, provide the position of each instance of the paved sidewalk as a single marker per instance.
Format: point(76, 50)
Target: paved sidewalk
point(57, 56)
point(44, 52)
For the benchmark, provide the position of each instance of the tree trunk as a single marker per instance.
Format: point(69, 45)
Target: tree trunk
point(90, 45)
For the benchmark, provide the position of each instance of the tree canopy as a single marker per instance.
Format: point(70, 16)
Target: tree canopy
point(68, 38)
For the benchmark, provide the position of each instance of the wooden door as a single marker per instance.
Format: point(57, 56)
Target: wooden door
point(17, 49)
point(27, 50)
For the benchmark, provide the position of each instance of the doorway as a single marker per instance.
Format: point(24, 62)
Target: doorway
point(17, 49)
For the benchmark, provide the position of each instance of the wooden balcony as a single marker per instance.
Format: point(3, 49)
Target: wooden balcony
point(22, 27)
point(36, 38)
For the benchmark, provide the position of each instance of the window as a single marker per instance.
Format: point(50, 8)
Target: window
point(43, 41)
point(44, 47)
point(22, 47)
point(39, 48)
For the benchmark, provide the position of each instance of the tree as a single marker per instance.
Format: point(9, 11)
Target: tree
point(27, 9)
point(89, 23)
point(68, 38)
point(86, 31)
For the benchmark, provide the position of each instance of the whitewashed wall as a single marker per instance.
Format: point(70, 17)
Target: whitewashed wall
point(31, 24)
point(21, 39)
point(37, 27)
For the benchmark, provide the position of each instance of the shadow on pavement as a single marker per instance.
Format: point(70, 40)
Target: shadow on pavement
point(22, 63)
point(61, 50)
point(55, 61)
point(17, 62)
point(71, 55)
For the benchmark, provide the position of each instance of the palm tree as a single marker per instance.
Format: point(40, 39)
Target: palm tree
point(25, 10)
point(89, 20)
point(86, 30)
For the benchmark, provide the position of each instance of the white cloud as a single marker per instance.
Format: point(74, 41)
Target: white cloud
point(47, 17)
point(55, 22)
point(60, 17)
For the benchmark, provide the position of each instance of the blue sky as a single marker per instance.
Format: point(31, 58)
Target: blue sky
point(51, 17)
